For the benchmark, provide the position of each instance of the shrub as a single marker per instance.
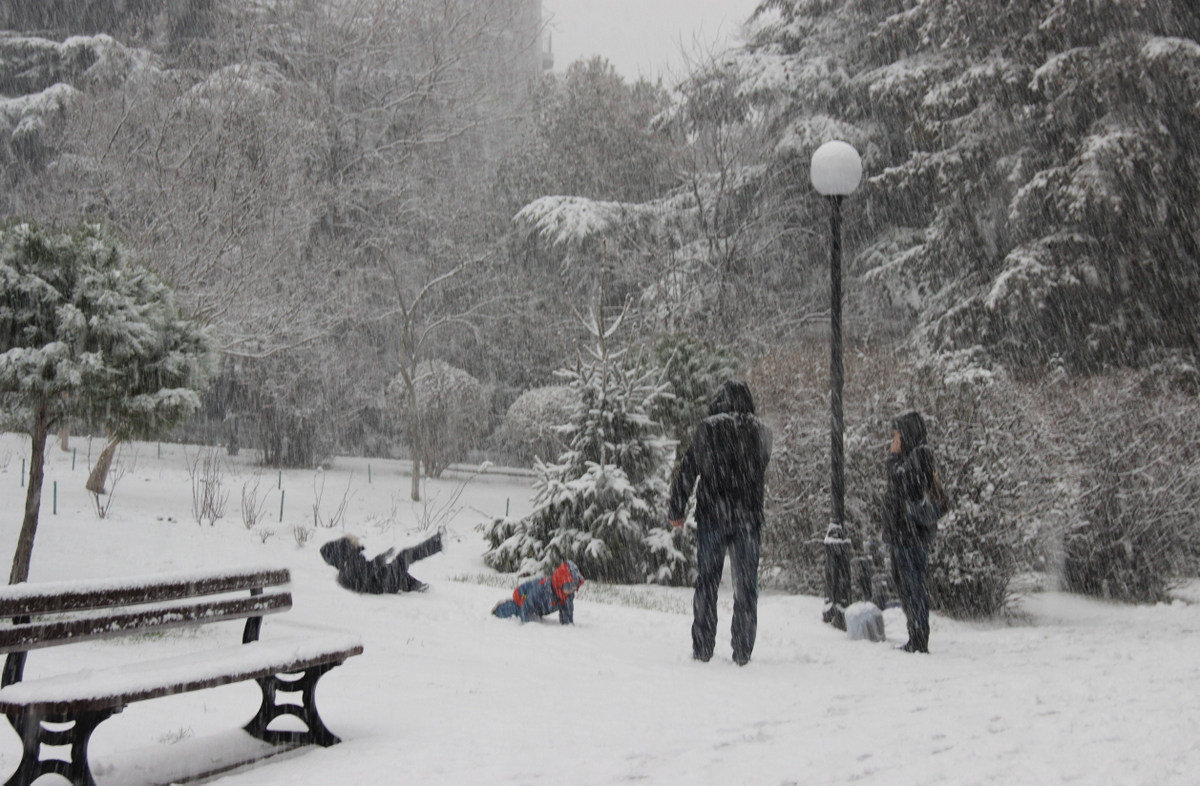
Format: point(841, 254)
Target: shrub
point(991, 459)
point(450, 416)
point(531, 427)
point(1140, 462)
point(294, 412)
point(987, 451)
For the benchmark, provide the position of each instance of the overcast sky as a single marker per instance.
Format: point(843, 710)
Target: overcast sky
point(641, 37)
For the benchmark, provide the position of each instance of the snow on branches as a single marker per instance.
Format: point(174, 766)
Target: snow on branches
point(573, 221)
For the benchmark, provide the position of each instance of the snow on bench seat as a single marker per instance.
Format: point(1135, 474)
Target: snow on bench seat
point(81, 594)
point(89, 625)
point(115, 687)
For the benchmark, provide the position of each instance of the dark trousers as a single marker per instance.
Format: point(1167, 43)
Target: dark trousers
point(426, 548)
point(742, 544)
point(909, 565)
point(398, 578)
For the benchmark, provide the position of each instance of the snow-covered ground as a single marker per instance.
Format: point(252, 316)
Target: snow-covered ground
point(1071, 690)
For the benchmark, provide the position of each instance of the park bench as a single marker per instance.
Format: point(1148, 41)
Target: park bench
point(47, 615)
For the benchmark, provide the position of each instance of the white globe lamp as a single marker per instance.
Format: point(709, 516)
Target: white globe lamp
point(836, 169)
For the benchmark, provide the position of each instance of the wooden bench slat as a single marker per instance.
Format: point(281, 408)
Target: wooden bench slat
point(37, 635)
point(44, 598)
point(118, 686)
point(45, 615)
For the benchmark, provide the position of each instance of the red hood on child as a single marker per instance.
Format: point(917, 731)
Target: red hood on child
point(566, 577)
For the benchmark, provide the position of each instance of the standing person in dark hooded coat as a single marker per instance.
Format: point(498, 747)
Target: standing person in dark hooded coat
point(726, 463)
point(381, 574)
point(911, 474)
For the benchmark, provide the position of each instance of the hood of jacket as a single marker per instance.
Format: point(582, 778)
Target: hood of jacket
point(338, 552)
point(733, 397)
point(566, 577)
point(912, 431)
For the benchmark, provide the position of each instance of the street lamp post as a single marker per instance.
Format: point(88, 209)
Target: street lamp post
point(836, 172)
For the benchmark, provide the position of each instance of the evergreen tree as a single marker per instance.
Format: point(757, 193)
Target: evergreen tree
point(589, 134)
point(85, 335)
point(602, 504)
point(694, 372)
point(1101, 262)
point(1032, 165)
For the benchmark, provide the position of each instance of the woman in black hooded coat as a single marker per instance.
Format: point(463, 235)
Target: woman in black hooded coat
point(911, 475)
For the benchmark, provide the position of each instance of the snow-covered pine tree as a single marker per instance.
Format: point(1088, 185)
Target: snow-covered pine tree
point(1102, 260)
point(86, 335)
point(693, 371)
point(602, 504)
point(1032, 165)
point(1049, 184)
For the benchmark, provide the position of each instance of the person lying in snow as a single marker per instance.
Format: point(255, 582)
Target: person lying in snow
point(538, 597)
point(377, 575)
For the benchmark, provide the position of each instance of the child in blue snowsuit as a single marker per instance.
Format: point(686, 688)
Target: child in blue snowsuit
point(536, 598)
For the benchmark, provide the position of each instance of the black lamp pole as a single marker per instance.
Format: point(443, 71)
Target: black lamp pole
point(836, 372)
point(836, 171)
point(837, 545)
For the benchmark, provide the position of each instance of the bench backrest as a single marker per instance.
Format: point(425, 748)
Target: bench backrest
point(33, 616)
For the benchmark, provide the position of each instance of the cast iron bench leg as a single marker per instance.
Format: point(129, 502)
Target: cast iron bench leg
point(307, 711)
point(34, 734)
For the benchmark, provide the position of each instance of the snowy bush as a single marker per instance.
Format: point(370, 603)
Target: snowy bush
point(986, 451)
point(989, 458)
point(530, 429)
point(30, 64)
point(444, 415)
point(29, 124)
point(1137, 532)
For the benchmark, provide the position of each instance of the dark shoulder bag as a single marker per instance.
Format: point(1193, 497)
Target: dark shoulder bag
point(923, 514)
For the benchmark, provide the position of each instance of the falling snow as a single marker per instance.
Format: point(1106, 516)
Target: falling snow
point(400, 249)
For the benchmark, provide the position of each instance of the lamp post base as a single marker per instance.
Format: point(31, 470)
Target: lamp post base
point(837, 576)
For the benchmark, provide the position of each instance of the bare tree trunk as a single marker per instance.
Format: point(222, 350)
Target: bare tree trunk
point(33, 500)
point(416, 430)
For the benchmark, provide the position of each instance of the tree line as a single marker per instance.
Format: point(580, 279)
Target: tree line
point(349, 194)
